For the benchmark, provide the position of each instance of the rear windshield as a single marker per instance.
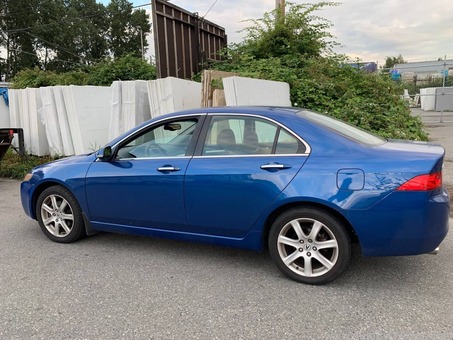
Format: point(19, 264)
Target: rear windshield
point(344, 129)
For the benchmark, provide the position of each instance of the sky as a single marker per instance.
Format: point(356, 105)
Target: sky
point(368, 30)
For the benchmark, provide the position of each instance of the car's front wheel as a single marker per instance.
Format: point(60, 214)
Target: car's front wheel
point(309, 245)
point(59, 215)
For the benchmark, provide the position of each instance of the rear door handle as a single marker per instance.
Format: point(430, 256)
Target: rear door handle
point(275, 166)
point(168, 168)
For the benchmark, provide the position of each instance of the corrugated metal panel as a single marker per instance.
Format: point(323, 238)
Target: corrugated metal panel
point(183, 41)
point(425, 66)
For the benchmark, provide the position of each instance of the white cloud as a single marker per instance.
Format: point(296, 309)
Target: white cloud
point(371, 31)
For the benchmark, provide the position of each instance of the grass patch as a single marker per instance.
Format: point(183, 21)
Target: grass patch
point(14, 166)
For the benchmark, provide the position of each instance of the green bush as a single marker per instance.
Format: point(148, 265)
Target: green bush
point(318, 79)
point(34, 78)
point(14, 166)
point(125, 68)
point(101, 74)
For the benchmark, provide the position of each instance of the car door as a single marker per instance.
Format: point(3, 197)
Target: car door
point(242, 164)
point(142, 186)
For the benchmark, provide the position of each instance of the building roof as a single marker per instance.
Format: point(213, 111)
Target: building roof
point(424, 66)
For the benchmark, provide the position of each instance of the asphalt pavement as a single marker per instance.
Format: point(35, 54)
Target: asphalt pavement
point(112, 286)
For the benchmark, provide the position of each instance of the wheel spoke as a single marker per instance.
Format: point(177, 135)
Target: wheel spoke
point(62, 206)
point(297, 228)
point(54, 202)
point(288, 241)
point(52, 227)
point(307, 266)
point(291, 258)
point(65, 226)
point(67, 217)
point(49, 220)
point(327, 244)
point(47, 208)
point(315, 230)
point(324, 261)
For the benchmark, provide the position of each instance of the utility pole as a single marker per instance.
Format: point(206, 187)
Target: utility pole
point(443, 91)
point(280, 9)
point(141, 41)
point(280, 4)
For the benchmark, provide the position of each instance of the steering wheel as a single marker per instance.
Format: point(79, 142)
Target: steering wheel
point(154, 150)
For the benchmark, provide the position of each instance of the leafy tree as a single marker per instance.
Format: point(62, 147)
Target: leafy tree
point(127, 29)
point(299, 33)
point(16, 15)
point(81, 35)
point(391, 61)
point(64, 35)
point(319, 80)
point(49, 29)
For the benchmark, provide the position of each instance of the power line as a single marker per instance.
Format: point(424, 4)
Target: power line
point(59, 47)
point(148, 4)
point(34, 54)
point(214, 3)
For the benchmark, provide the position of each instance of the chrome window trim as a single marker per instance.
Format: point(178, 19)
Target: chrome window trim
point(214, 114)
point(150, 158)
point(252, 155)
point(156, 122)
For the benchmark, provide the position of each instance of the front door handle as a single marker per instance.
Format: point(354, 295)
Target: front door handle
point(168, 168)
point(275, 166)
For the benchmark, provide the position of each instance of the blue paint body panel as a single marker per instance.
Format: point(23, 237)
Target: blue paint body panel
point(228, 200)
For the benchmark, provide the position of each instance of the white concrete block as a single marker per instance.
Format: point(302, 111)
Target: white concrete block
point(249, 91)
point(428, 99)
point(172, 94)
point(49, 118)
point(88, 112)
point(129, 106)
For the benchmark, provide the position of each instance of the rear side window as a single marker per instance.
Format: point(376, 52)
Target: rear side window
point(342, 128)
point(288, 144)
point(248, 136)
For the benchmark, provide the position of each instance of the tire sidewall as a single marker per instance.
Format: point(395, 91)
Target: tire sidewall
point(331, 222)
point(78, 229)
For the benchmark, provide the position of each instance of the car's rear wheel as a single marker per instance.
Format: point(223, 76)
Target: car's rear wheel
point(59, 215)
point(309, 245)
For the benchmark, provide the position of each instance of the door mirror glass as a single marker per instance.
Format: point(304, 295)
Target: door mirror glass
point(104, 154)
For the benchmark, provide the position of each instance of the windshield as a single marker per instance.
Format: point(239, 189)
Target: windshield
point(342, 128)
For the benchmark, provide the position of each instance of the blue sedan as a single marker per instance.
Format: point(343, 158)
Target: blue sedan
point(299, 183)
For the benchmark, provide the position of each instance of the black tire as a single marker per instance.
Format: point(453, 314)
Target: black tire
point(313, 256)
point(59, 215)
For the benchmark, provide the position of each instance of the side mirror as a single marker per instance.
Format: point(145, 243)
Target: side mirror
point(104, 154)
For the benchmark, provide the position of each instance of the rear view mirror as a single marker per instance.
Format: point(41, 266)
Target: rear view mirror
point(104, 154)
point(172, 127)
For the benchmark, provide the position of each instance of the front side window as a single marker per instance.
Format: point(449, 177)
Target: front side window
point(248, 136)
point(170, 139)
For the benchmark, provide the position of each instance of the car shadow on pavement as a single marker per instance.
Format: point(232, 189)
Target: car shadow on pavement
point(379, 272)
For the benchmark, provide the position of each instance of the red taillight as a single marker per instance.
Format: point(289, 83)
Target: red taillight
point(422, 183)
